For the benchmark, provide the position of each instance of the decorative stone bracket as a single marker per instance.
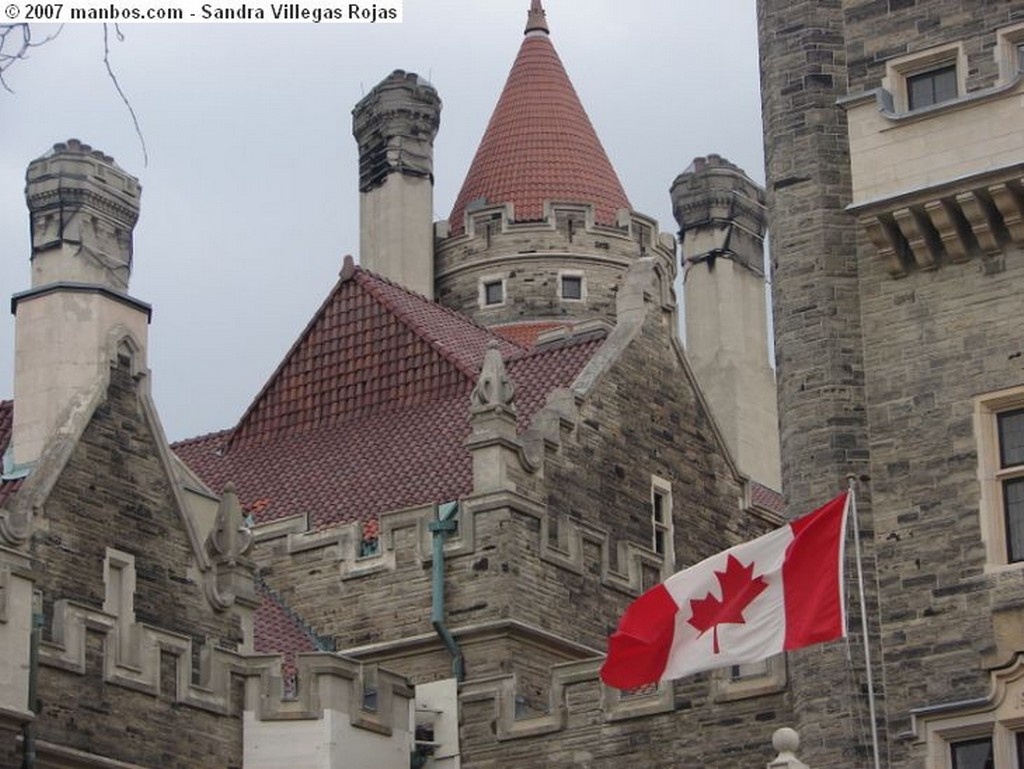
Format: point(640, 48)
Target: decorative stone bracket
point(946, 224)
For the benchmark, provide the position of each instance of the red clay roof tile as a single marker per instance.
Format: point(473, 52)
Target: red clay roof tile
point(540, 145)
point(370, 409)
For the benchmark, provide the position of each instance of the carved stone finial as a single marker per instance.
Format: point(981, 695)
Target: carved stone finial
point(230, 539)
point(493, 389)
point(786, 741)
point(536, 20)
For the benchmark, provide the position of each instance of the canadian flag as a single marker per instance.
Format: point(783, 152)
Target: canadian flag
point(778, 592)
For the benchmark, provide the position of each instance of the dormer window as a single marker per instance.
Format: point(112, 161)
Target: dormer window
point(932, 87)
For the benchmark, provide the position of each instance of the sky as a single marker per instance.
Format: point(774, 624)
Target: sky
point(250, 198)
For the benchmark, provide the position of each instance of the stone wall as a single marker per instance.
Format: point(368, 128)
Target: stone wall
point(879, 373)
point(529, 256)
point(537, 576)
point(114, 493)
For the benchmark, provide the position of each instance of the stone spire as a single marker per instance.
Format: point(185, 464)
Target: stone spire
point(536, 19)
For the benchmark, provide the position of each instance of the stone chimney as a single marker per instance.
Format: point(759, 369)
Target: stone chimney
point(77, 316)
point(395, 126)
point(721, 216)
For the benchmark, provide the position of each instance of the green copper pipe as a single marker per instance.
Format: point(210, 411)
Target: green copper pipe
point(445, 523)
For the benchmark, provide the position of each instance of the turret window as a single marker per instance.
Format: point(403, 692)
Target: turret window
point(492, 291)
point(571, 286)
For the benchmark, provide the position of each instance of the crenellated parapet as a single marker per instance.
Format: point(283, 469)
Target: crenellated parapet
point(564, 266)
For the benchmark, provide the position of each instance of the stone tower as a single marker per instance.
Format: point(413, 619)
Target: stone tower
point(394, 127)
point(894, 149)
point(541, 230)
point(721, 217)
point(82, 208)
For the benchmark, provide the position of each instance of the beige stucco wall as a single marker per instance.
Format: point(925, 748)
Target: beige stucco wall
point(727, 345)
point(63, 343)
point(330, 742)
point(893, 154)
point(15, 634)
point(396, 232)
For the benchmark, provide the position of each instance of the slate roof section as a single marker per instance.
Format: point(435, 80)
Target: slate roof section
point(370, 409)
point(540, 145)
point(7, 488)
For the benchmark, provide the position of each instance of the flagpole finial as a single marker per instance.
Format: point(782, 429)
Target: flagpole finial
point(536, 19)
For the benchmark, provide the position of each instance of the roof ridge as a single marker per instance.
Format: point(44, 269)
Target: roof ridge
point(198, 438)
point(285, 358)
point(366, 277)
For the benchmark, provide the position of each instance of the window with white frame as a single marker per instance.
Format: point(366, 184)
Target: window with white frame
point(927, 78)
point(983, 733)
point(1010, 52)
point(661, 522)
point(974, 753)
point(571, 286)
point(492, 291)
point(999, 430)
point(931, 87)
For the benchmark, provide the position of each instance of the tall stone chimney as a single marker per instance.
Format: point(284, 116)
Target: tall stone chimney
point(395, 126)
point(721, 216)
point(77, 315)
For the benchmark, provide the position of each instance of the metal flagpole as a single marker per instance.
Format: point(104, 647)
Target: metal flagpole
point(852, 502)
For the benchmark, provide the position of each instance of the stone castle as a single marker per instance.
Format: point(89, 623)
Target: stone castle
point(411, 547)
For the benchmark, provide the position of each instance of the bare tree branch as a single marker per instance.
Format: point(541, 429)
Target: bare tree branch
point(15, 43)
point(117, 85)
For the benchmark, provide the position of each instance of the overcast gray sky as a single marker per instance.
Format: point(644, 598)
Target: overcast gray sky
point(250, 197)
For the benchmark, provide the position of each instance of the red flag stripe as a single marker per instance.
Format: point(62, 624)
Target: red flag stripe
point(812, 576)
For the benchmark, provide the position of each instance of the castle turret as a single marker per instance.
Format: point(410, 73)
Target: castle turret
point(83, 209)
point(395, 126)
point(541, 229)
point(721, 217)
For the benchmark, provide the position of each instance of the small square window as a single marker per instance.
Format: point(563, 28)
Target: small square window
point(932, 87)
point(494, 292)
point(572, 287)
point(972, 754)
point(1020, 57)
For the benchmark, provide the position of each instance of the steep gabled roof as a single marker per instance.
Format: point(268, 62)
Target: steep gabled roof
point(370, 409)
point(539, 144)
point(371, 346)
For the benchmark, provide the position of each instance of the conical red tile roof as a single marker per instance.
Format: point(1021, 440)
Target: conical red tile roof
point(540, 144)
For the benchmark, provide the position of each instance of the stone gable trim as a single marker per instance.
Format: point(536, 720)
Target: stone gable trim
point(18, 520)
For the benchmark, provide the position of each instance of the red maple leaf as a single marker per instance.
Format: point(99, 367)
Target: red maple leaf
point(739, 588)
